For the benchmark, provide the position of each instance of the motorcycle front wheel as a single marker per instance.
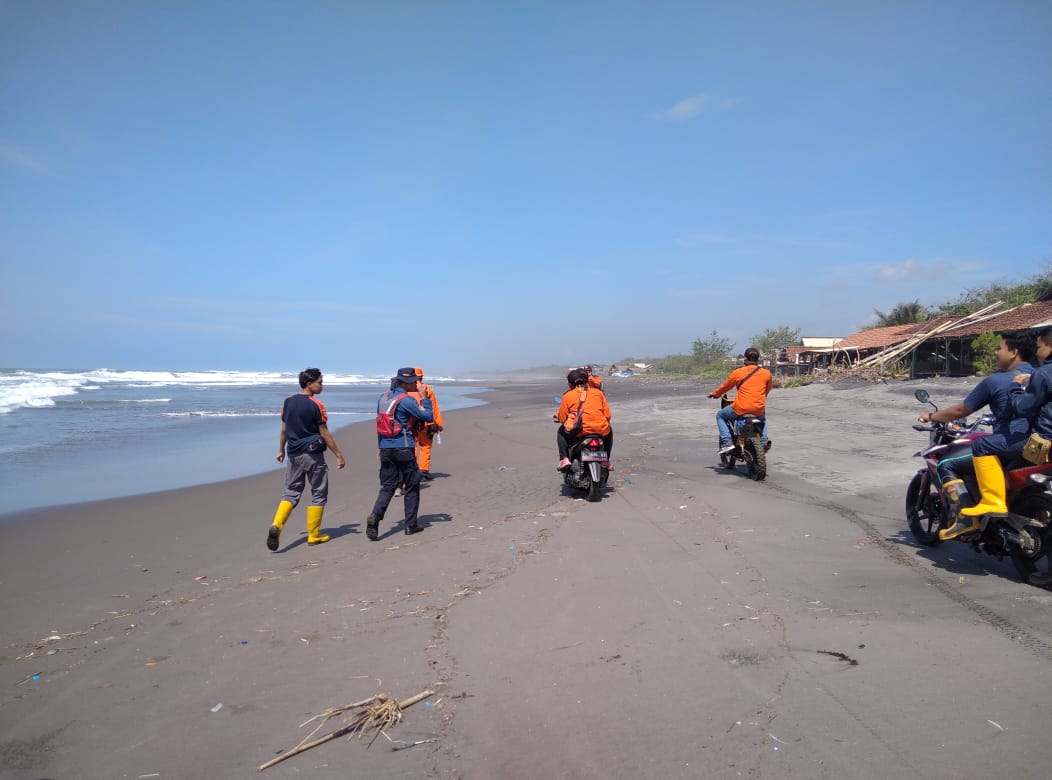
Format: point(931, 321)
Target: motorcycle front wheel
point(756, 458)
point(1034, 561)
point(923, 511)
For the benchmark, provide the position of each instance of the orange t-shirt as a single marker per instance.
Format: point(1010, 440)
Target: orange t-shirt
point(752, 392)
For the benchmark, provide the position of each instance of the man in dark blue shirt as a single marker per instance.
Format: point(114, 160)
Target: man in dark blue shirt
point(1012, 356)
point(399, 413)
point(1036, 404)
point(304, 439)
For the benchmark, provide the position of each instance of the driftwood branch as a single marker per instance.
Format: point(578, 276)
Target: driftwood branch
point(378, 712)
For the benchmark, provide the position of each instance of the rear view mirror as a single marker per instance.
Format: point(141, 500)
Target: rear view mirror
point(922, 396)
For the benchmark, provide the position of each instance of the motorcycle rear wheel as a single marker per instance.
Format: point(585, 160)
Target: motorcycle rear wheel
point(1037, 506)
point(756, 458)
point(593, 491)
point(923, 511)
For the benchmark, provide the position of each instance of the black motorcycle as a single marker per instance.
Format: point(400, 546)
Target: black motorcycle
point(589, 465)
point(749, 447)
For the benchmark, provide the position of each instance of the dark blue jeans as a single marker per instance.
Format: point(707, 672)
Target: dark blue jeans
point(398, 467)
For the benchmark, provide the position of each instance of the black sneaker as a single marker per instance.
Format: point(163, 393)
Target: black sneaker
point(372, 527)
point(412, 529)
point(426, 475)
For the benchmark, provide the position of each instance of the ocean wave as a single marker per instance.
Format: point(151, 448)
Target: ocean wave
point(18, 393)
point(23, 388)
point(144, 400)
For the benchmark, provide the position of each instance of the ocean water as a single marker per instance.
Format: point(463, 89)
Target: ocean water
point(68, 436)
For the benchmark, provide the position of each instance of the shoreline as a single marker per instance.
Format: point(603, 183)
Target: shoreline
point(473, 392)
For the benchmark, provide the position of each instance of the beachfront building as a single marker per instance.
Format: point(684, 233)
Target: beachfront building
point(940, 346)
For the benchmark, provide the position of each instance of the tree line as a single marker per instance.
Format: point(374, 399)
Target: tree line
point(713, 355)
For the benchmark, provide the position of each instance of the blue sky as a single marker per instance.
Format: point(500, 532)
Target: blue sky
point(472, 185)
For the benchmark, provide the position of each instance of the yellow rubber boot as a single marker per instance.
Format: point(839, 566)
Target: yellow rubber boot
point(992, 486)
point(274, 534)
point(957, 493)
point(314, 514)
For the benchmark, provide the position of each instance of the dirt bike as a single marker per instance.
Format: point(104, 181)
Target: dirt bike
point(746, 433)
point(1024, 533)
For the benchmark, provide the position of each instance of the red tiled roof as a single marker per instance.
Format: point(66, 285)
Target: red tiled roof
point(1029, 315)
point(876, 338)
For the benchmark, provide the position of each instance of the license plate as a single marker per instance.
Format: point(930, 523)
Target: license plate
point(592, 455)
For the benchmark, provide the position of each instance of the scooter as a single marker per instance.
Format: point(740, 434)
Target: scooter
point(589, 467)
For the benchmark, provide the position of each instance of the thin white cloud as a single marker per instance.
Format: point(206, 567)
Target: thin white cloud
point(693, 238)
point(695, 104)
point(703, 292)
point(13, 154)
point(890, 273)
point(908, 270)
point(897, 272)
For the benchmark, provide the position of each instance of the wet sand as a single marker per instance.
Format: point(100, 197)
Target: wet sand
point(691, 624)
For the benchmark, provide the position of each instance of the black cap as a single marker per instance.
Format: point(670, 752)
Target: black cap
point(407, 375)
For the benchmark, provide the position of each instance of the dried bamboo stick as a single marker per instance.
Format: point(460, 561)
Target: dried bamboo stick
point(302, 747)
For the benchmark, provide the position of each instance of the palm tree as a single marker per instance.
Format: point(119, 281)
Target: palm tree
point(902, 314)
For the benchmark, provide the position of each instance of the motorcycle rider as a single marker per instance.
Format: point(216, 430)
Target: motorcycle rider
point(583, 410)
point(753, 383)
point(1036, 404)
point(1012, 356)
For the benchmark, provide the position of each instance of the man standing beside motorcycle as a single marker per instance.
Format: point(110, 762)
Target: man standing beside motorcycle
point(583, 410)
point(753, 383)
point(1006, 441)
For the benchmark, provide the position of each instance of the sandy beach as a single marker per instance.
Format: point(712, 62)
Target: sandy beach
point(692, 624)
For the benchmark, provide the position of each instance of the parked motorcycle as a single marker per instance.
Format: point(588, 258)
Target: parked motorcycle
point(589, 467)
point(748, 446)
point(1024, 533)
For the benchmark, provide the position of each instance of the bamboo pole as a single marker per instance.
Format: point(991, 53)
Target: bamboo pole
point(304, 746)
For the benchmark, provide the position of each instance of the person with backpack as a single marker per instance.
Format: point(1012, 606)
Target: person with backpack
point(426, 434)
point(583, 410)
point(753, 383)
point(304, 438)
point(398, 416)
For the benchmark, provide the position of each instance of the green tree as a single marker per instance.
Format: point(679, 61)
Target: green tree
point(711, 350)
point(771, 341)
point(983, 348)
point(902, 314)
point(1011, 295)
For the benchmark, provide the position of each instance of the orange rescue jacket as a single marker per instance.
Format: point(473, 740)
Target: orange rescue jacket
point(595, 414)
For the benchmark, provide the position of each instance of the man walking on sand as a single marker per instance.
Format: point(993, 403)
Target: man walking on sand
point(304, 438)
point(398, 414)
point(425, 434)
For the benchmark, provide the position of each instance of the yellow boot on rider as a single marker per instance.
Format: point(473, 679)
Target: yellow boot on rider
point(274, 535)
point(991, 478)
point(956, 493)
point(314, 514)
